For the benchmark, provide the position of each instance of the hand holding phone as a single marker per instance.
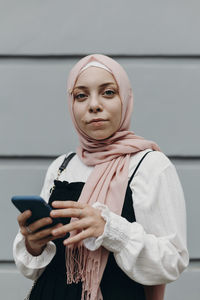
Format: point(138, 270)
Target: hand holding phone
point(39, 208)
point(35, 214)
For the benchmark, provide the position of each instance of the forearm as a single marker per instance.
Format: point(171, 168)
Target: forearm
point(31, 266)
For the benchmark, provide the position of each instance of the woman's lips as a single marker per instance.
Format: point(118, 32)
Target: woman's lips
point(97, 122)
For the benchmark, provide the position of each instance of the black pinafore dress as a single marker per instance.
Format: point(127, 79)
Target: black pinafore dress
point(115, 284)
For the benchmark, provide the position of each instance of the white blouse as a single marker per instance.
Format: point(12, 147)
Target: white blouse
point(152, 250)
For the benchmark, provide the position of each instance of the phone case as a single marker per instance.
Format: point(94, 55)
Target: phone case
point(37, 205)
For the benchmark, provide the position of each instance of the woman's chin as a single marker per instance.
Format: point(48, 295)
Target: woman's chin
point(97, 135)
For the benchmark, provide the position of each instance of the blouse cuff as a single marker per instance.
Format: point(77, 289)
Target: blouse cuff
point(33, 262)
point(114, 237)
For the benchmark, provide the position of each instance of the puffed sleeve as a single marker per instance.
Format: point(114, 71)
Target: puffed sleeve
point(33, 266)
point(153, 249)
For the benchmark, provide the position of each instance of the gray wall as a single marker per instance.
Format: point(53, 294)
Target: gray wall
point(157, 43)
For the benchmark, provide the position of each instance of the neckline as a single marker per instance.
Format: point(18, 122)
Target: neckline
point(65, 182)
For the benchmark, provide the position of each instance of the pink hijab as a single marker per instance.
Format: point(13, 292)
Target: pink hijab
point(108, 181)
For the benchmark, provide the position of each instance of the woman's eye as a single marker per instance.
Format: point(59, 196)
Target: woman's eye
point(80, 96)
point(109, 93)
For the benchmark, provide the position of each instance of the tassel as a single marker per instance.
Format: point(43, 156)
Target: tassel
point(82, 265)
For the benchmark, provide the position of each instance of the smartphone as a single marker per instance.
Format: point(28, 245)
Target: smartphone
point(39, 208)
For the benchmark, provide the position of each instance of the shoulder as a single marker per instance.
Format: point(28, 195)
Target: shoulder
point(154, 164)
point(56, 163)
point(156, 175)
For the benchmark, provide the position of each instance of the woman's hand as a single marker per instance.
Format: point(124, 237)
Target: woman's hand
point(89, 222)
point(36, 240)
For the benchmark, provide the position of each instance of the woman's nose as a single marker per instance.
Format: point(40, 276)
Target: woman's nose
point(94, 105)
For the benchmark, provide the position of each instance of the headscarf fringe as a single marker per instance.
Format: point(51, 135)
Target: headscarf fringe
point(76, 260)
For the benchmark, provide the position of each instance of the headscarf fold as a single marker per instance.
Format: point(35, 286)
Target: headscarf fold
point(108, 180)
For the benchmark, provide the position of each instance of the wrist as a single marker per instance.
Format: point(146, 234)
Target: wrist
point(36, 251)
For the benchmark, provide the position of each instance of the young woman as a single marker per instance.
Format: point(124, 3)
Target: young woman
point(123, 234)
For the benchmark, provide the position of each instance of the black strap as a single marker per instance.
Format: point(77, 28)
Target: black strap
point(66, 161)
point(138, 166)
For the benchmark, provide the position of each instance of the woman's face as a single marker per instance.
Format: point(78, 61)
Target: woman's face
point(97, 106)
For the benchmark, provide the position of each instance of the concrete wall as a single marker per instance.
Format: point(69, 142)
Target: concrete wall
point(157, 43)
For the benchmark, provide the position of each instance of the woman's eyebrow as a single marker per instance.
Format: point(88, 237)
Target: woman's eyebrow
point(101, 85)
point(106, 84)
point(81, 87)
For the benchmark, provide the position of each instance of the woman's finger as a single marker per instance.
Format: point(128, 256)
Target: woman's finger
point(23, 217)
point(43, 233)
point(35, 226)
point(67, 213)
point(78, 237)
point(67, 204)
point(44, 241)
point(76, 225)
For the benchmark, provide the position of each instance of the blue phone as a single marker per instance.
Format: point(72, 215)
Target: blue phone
point(37, 205)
